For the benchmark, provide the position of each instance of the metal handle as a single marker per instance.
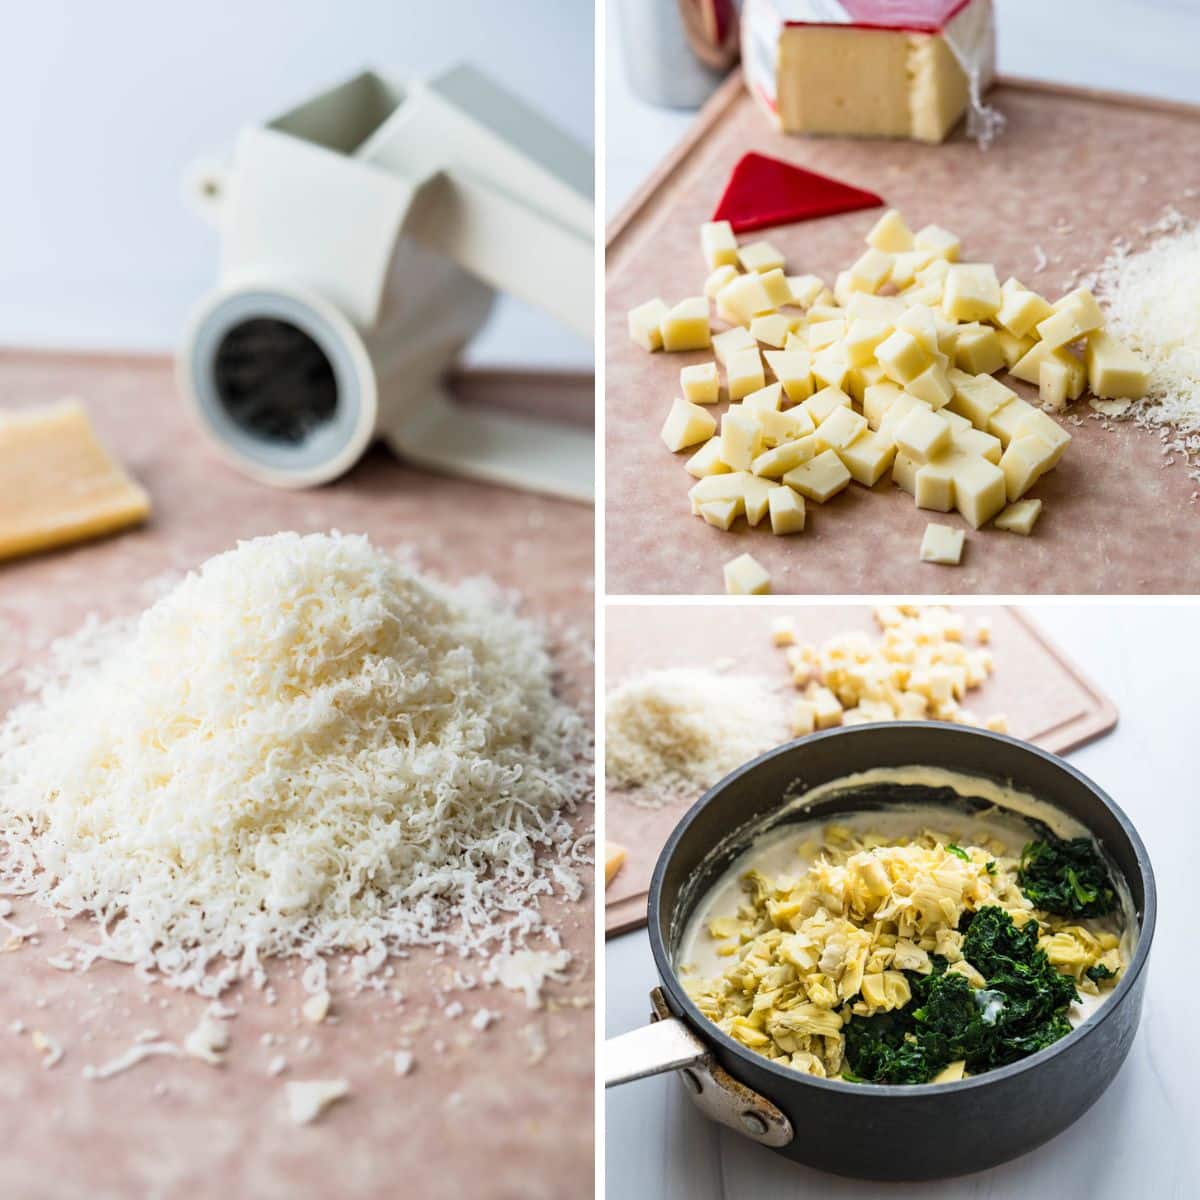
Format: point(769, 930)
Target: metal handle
point(667, 1044)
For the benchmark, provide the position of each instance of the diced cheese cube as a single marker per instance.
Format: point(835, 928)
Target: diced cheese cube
point(819, 479)
point(765, 399)
point(896, 413)
point(1020, 309)
point(787, 511)
point(805, 289)
point(825, 333)
point(718, 279)
point(877, 400)
point(744, 373)
point(932, 386)
point(707, 460)
point(868, 457)
point(1029, 368)
point(1004, 422)
point(958, 424)
point(779, 428)
point(730, 342)
point(771, 330)
point(865, 307)
point(872, 270)
point(730, 486)
point(997, 723)
point(840, 429)
point(686, 424)
point(906, 265)
point(922, 435)
point(977, 397)
point(793, 369)
point(742, 299)
point(745, 577)
point(933, 482)
point(890, 233)
point(904, 474)
point(975, 442)
point(718, 244)
point(861, 338)
point(1114, 371)
point(760, 256)
point(1075, 315)
point(827, 710)
point(1024, 462)
point(921, 321)
point(1014, 348)
point(941, 242)
point(720, 514)
point(979, 490)
point(685, 327)
point(741, 439)
point(902, 357)
point(822, 403)
point(858, 379)
point(972, 292)
point(826, 312)
point(1020, 517)
point(1054, 379)
point(756, 497)
point(645, 324)
point(977, 350)
point(942, 544)
point(700, 383)
point(804, 718)
point(773, 464)
point(829, 366)
point(775, 284)
point(933, 277)
point(783, 631)
point(845, 285)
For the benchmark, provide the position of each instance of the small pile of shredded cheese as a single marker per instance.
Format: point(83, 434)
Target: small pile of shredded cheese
point(304, 747)
point(681, 729)
point(1153, 303)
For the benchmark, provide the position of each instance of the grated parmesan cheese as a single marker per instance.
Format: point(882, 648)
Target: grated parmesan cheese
point(303, 747)
point(681, 730)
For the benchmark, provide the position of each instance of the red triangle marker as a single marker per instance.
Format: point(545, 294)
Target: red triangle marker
point(766, 191)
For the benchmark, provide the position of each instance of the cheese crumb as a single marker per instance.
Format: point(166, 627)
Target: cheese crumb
point(308, 1099)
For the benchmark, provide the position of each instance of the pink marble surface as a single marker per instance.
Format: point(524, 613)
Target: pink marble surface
point(478, 1118)
point(1069, 174)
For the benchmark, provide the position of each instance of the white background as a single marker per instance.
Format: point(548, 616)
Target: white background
point(1139, 1139)
point(104, 105)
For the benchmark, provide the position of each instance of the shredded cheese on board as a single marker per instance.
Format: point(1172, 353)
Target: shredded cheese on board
point(304, 747)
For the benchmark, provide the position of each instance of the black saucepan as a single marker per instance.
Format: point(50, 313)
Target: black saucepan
point(902, 1132)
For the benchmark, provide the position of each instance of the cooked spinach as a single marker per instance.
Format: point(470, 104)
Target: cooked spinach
point(958, 852)
point(1100, 972)
point(1021, 1009)
point(1066, 876)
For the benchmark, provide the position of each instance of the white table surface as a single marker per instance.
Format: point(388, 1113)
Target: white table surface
point(1139, 1139)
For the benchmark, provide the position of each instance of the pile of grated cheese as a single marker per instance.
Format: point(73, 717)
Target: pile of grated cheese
point(1153, 302)
point(305, 747)
point(683, 729)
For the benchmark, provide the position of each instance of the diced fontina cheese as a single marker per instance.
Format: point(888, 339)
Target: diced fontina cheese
point(700, 383)
point(685, 327)
point(745, 576)
point(718, 244)
point(686, 424)
point(614, 860)
point(645, 323)
point(942, 544)
point(1020, 517)
point(58, 483)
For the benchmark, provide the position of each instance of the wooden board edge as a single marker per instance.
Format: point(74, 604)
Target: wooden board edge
point(729, 91)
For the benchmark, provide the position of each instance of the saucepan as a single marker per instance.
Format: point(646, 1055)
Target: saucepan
point(865, 1130)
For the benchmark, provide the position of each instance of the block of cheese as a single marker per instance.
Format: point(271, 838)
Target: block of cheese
point(645, 323)
point(744, 576)
point(787, 511)
point(614, 860)
point(872, 68)
point(700, 383)
point(686, 424)
point(685, 327)
point(58, 484)
point(942, 544)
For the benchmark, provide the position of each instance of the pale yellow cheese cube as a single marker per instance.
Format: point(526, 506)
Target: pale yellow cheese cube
point(1025, 460)
point(997, 723)
point(845, 285)
point(977, 350)
point(977, 397)
point(685, 327)
point(932, 387)
point(904, 474)
point(829, 366)
point(865, 307)
point(1114, 371)
point(707, 461)
point(934, 482)
point(861, 338)
point(822, 403)
point(744, 373)
point(1021, 309)
point(922, 435)
point(826, 312)
point(940, 242)
point(1054, 380)
point(772, 330)
point(898, 411)
point(773, 464)
point(827, 710)
point(787, 511)
point(764, 400)
point(741, 439)
point(728, 486)
point(783, 631)
point(932, 279)
point(972, 292)
point(902, 357)
point(645, 324)
point(840, 429)
point(890, 233)
point(797, 340)
point(686, 424)
point(878, 398)
point(793, 369)
point(921, 321)
point(868, 457)
point(819, 479)
point(744, 576)
point(730, 342)
point(942, 545)
point(1014, 348)
point(718, 279)
point(760, 256)
point(871, 270)
point(825, 333)
point(720, 514)
point(805, 289)
point(1004, 422)
point(718, 244)
point(1029, 368)
point(742, 299)
point(804, 718)
point(700, 383)
point(907, 263)
point(1020, 517)
point(976, 442)
point(775, 284)
point(1036, 423)
point(858, 379)
point(756, 496)
point(781, 427)
point(1074, 316)
point(979, 490)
